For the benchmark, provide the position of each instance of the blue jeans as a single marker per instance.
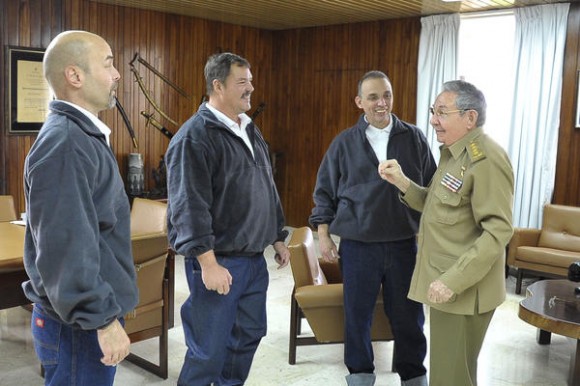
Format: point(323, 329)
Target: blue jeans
point(222, 332)
point(69, 356)
point(365, 267)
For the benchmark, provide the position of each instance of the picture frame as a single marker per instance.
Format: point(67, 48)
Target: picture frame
point(28, 91)
point(578, 100)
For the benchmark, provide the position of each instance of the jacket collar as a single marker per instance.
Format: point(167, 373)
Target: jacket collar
point(397, 128)
point(462, 144)
point(84, 122)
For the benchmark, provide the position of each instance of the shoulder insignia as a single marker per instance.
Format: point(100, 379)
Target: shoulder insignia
point(475, 152)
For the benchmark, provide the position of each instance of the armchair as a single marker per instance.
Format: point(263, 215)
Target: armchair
point(318, 297)
point(548, 251)
point(155, 266)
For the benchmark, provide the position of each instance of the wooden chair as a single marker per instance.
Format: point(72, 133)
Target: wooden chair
point(318, 297)
point(7, 209)
point(155, 266)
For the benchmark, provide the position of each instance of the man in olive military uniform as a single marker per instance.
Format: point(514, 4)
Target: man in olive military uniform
point(465, 226)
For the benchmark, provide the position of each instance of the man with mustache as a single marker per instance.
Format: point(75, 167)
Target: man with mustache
point(465, 227)
point(223, 211)
point(377, 232)
point(77, 247)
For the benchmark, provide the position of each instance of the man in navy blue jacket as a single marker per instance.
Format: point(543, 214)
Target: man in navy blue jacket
point(377, 232)
point(77, 250)
point(223, 211)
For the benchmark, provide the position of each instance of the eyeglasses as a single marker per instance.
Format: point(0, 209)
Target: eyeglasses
point(443, 114)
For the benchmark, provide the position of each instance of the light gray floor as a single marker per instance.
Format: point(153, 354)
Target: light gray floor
point(510, 355)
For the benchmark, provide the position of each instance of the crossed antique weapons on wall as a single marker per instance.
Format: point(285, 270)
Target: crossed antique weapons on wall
point(159, 174)
point(149, 116)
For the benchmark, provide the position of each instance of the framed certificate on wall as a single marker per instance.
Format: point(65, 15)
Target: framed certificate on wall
point(28, 90)
point(578, 101)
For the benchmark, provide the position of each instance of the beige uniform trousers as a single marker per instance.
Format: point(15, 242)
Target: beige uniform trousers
point(455, 342)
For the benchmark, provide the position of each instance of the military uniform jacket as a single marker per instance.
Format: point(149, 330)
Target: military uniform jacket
point(465, 226)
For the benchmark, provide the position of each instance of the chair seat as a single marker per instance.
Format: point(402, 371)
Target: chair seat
point(547, 256)
point(318, 296)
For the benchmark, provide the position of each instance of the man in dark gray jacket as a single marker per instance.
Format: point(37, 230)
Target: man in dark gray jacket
point(77, 247)
point(377, 231)
point(223, 212)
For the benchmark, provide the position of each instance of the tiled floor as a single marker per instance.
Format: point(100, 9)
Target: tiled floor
point(510, 355)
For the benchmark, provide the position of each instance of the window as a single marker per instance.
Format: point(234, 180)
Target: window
point(486, 44)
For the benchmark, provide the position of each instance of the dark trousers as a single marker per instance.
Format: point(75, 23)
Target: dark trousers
point(365, 267)
point(69, 356)
point(222, 332)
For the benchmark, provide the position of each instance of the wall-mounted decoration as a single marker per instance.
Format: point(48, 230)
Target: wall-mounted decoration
point(578, 101)
point(28, 91)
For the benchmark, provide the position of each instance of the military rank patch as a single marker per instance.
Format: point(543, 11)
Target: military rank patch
point(452, 183)
point(475, 153)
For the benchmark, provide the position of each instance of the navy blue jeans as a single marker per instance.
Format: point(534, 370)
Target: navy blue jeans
point(222, 332)
point(365, 267)
point(69, 356)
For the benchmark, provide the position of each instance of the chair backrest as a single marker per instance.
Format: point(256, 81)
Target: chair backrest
point(7, 210)
point(560, 228)
point(303, 259)
point(148, 216)
point(150, 248)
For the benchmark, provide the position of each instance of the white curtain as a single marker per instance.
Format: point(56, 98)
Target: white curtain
point(437, 64)
point(538, 60)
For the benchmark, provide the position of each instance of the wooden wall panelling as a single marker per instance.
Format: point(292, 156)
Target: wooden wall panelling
point(163, 40)
point(298, 110)
point(567, 184)
point(8, 24)
point(3, 116)
point(306, 77)
point(399, 58)
point(24, 24)
point(322, 67)
point(71, 16)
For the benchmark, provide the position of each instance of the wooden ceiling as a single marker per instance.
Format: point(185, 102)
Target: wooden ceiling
point(290, 14)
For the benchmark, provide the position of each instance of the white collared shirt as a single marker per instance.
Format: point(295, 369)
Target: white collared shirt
point(239, 130)
point(103, 128)
point(379, 139)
